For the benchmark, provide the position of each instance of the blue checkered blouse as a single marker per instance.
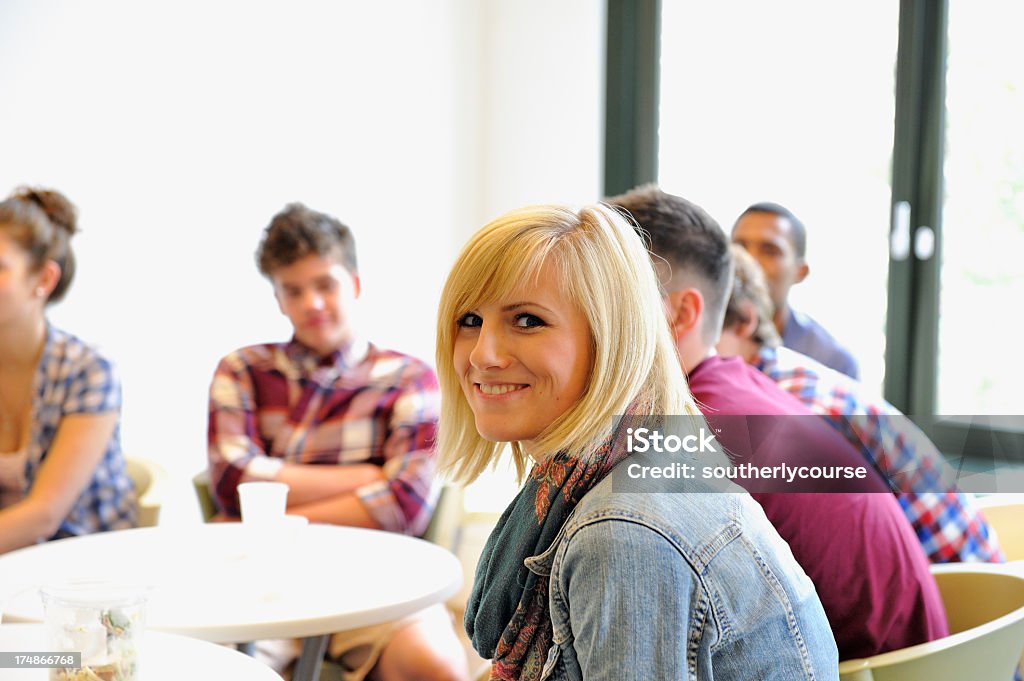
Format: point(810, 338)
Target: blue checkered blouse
point(73, 378)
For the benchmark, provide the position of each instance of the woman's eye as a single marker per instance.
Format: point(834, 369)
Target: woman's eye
point(470, 320)
point(529, 321)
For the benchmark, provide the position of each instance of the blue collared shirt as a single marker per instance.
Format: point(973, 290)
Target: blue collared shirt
point(808, 337)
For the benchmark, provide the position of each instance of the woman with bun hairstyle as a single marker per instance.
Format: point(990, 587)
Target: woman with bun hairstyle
point(61, 468)
point(550, 325)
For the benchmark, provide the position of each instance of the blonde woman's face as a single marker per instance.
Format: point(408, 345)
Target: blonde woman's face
point(523, 361)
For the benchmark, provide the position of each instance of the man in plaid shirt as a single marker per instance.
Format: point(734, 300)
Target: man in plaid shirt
point(946, 521)
point(349, 427)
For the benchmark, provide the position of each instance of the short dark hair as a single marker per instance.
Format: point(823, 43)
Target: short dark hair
point(798, 235)
point(42, 222)
point(298, 231)
point(684, 235)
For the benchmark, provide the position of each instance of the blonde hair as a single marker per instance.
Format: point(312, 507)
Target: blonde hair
point(605, 269)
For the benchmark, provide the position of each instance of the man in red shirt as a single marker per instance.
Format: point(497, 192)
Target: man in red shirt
point(855, 544)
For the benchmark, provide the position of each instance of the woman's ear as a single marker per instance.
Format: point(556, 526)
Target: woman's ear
point(49, 277)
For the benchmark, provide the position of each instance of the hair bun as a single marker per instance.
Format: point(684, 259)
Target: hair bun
point(58, 209)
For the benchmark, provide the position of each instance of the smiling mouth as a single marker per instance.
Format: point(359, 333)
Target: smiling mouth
point(500, 389)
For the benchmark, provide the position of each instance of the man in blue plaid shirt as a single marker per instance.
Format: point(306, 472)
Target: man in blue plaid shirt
point(947, 523)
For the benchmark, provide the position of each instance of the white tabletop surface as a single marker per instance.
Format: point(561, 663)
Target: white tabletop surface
point(162, 657)
point(229, 582)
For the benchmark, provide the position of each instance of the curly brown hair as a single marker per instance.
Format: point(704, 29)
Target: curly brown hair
point(298, 231)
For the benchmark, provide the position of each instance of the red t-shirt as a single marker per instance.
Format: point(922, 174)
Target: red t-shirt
point(857, 547)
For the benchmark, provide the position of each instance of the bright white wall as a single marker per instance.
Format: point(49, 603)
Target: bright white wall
point(179, 129)
point(542, 103)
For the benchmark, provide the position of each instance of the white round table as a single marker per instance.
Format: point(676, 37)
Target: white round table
point(162, 657)
point(231, 582)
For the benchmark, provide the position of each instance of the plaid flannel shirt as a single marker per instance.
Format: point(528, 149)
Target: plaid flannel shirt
point(948, 525)
point(274, 403)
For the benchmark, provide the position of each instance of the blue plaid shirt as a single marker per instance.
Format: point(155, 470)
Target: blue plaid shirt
point(72, 378)
point(946, 521)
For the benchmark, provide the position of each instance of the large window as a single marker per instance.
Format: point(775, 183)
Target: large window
point(756, 107)
point(980, 369)
point(912, 187)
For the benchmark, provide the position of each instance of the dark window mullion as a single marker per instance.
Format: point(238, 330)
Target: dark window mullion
point(913, 305)
point(631, 94)
point(925, 349)
point(899, 327)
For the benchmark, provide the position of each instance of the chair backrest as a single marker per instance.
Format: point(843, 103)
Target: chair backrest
point(201, 484)
point(444, 523)
point(149, 478)
point(1005, 515)
point(985, 609)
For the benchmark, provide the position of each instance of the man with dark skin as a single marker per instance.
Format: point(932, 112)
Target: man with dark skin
point(777, 239)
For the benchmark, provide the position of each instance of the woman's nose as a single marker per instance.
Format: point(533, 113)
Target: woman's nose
point(490, 350)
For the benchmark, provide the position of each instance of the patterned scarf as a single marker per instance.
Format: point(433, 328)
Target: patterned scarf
point(507, 615)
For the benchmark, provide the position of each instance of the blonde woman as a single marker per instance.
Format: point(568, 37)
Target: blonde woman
point(61, 469)
point(551, 324)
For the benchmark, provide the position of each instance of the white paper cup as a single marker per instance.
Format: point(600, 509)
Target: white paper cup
point(262, 502)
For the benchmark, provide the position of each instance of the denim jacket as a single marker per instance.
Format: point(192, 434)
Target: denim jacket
point(662, 586)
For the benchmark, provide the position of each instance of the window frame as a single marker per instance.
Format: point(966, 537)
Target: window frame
point(912, 317)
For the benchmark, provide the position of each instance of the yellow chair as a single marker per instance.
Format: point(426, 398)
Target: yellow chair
point(201, 484)
point(443, 528)
point(448, 528)
point(1005, 515)
point(985, 609)
point(149, 478)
